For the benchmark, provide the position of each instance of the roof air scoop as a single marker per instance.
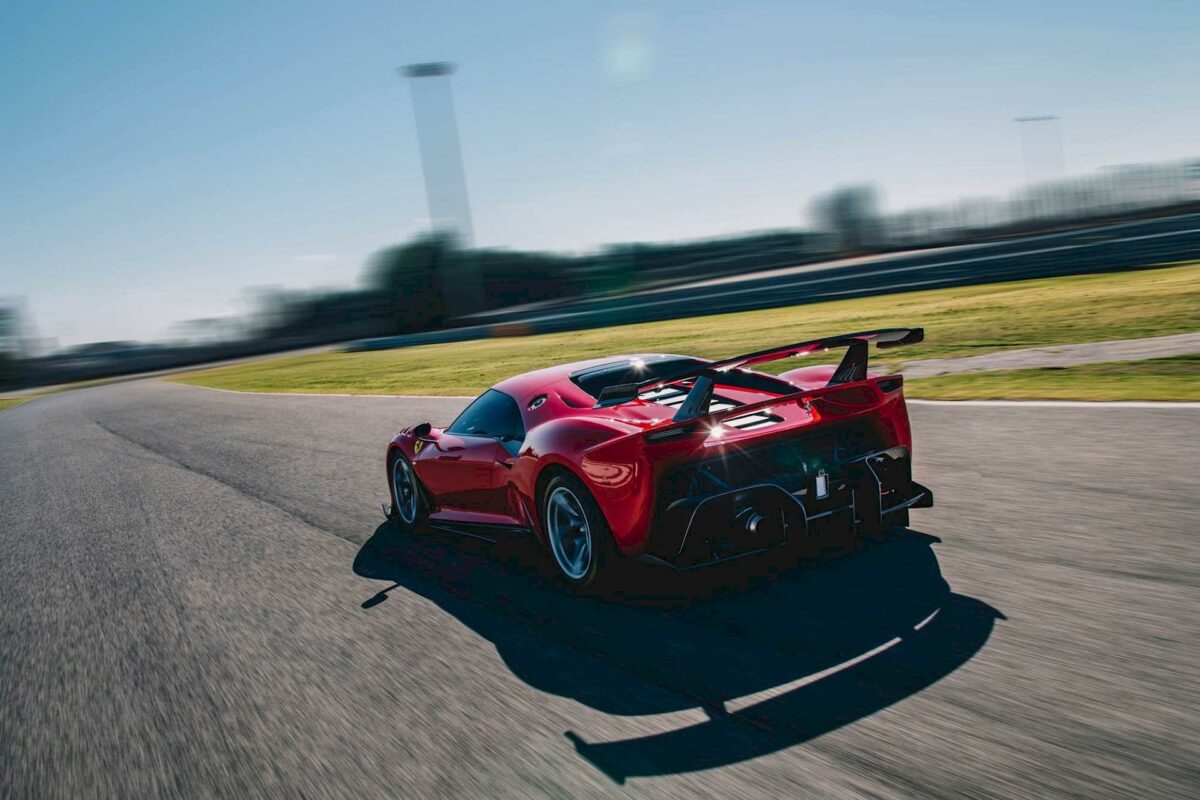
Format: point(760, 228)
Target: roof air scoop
point(617, 394)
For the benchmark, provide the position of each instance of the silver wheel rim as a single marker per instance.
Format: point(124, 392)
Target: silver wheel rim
point(568, 532)
point(404, 490)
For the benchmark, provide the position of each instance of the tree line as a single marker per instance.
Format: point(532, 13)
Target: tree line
point(429, 283)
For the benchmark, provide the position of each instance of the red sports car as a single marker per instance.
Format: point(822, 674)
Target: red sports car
point(670, 459)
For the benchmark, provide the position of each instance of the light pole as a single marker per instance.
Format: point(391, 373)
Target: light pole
point(445, 183)
point(1028, 146)
point(441, 157)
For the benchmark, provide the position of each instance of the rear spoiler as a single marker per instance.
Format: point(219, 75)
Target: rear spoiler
point(853, 367)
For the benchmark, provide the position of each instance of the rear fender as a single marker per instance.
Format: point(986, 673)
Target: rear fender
point(567, 443)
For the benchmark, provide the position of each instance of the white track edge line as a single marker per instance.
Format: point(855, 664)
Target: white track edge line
point(910, 401)
point(320, 394)
point(1058, 403)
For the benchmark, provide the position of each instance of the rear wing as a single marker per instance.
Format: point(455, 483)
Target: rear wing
point(728, 371)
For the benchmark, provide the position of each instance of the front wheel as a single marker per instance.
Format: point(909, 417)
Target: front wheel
point(577, 534)
point(407, 503)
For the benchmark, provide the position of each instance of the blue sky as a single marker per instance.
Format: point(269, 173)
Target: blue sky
point(156, 159)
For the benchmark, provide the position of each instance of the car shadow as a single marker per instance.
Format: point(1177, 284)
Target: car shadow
point(764, 655)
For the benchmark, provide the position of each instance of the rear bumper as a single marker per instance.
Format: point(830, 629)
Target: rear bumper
point(867, 494)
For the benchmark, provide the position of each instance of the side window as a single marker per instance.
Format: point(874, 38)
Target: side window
point(492, 414)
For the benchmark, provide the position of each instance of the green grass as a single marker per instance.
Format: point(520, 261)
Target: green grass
point(1176, 378)
point(9, 402)
point(957, 322)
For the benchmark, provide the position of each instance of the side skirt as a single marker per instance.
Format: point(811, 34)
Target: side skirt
point(488, 533)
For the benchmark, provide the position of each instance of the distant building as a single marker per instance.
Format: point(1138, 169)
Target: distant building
point(14, 338)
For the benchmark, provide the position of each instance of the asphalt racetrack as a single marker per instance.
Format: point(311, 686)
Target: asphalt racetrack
point(184, 574)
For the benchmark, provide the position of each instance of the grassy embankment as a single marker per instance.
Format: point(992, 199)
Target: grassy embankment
point(1176, 378)
point(958, 322)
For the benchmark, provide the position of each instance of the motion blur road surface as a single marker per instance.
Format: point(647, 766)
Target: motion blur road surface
point(184, 573)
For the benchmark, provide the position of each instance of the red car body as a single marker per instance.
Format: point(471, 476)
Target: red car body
point(690, 461)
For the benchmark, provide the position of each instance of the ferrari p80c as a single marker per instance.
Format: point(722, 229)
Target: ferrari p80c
point(670, 459)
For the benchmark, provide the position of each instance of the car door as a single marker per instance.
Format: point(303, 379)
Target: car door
point(462, 472)
point(466, 466)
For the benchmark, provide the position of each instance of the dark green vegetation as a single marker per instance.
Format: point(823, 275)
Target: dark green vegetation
point(417, 286)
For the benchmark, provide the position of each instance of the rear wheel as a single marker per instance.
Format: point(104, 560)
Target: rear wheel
point(578, 536)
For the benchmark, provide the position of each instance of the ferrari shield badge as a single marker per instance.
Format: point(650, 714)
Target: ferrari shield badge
point(417, 445)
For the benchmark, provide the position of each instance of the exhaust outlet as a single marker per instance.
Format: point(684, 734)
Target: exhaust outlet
point(763, 526)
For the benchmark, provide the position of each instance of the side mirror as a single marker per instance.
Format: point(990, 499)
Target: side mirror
point(422, 430)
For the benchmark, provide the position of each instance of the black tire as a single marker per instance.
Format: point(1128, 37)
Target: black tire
point(414, 516)
point(604, 561)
